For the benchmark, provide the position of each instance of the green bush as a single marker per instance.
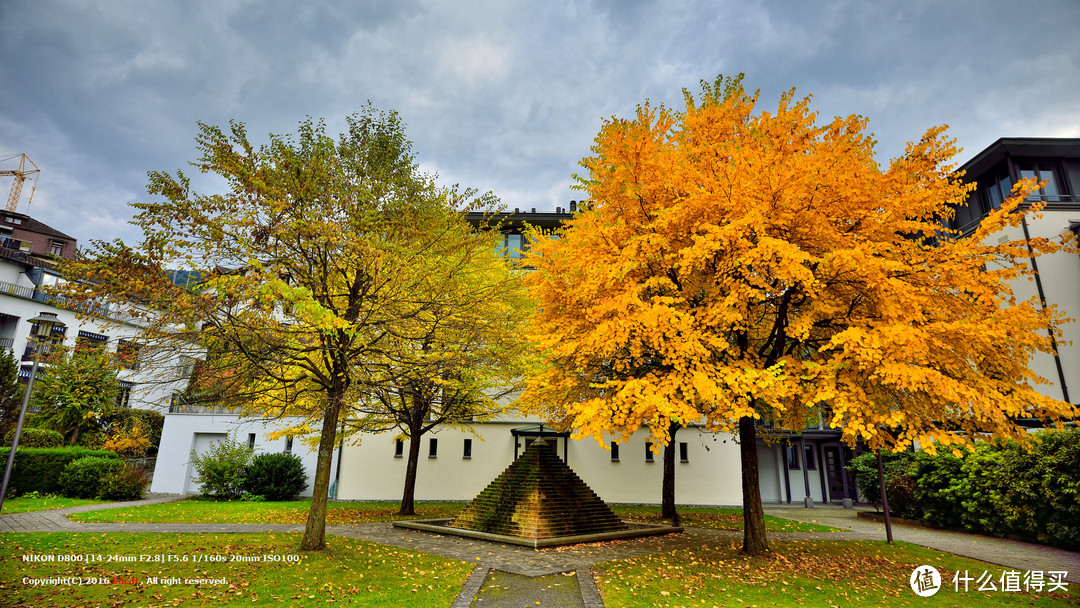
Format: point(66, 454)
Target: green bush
point(83, 478)
point(937, 488)
point(900, 483)
point(127, 482)
point(222, 469)
point(276, 476)
point(999, 488)
point(40, 469)
point(36, 438)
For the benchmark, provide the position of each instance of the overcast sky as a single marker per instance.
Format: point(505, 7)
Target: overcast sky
point(504, 96)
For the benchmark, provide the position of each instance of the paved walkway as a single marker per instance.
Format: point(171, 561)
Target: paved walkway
point(1002, 551)
point(504, 570)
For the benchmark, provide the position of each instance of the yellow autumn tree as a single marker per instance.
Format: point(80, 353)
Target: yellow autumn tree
point(738, 265)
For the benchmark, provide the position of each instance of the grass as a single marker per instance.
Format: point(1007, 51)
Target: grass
point(286, 512)
point(713, 518)
point(348, 573)
point(27, 503)
point(802, 573)
point(341, 513)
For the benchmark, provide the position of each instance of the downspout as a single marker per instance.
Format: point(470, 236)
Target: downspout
point(1042, 301)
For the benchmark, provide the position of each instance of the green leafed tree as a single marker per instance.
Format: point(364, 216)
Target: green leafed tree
point(318, 258)
point(76, 388)
point(11, 391)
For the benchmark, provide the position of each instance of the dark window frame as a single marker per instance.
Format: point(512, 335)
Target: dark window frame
point(467, 450)
point(684, 452)
point(433, 447)
point(399, 448)
point(649, 456)
point(614, 452)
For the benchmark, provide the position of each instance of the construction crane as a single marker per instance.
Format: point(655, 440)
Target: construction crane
point(21, 175)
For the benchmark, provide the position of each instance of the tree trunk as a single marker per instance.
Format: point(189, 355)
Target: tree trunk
point(754, 540)
point(315, 530)
point(75, 435)
point(409, 494)
point(667, 509)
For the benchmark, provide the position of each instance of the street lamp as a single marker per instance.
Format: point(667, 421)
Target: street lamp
point(48, 326)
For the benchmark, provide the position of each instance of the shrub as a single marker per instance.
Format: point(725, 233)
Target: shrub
point(40, 469)
point(999, 488)
point(124, 419)
point(276, 476)
point(900, 483)
point(938, 488)
point(36, 438)
point(221, 470)
point(131, 442)
point(127, 482)
point(83, 478)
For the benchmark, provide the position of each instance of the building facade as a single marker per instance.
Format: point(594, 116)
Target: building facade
point(29, 251)
point(1056, 164)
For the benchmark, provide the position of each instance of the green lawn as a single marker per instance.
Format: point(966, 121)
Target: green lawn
point(295, 512)
point(286, 512)
point(349, 573)
point(713, 518)
point(802, 573)
point(23, 504)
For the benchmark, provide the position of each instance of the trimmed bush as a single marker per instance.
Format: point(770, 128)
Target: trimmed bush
point(127, 482)
point(83, 478)
point(40, 469)
point(276, 476)
point(222, 469)
point(36, 438)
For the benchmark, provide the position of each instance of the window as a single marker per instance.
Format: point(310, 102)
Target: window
point(648, 451)
point(514, 246)
point(251, 441)
point(684, 452)
point(433, 448)
point(185, 366)
point(128, 354)
point(614, 452)
point(13, 220)
point(123, 397)
point(468, 449)
point(399, 448)
point(89, 340)
point(792, 457)
point(811, 465)
point(1041, 172)
point(56, 248)
point(288, 444)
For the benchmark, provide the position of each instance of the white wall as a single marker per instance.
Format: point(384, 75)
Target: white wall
point(371, 472)
point(186, 432)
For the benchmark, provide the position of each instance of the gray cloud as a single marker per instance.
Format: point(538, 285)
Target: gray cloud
point(505, 96)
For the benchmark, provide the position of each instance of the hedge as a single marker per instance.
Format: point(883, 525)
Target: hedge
point(35, 438)
point(998, 489)
point(39, 469)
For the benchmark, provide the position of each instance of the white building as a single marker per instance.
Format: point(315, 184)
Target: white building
point(1057, 279)
point(28, 250)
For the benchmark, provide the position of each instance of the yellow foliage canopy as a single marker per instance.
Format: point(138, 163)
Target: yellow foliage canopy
point(736, 262)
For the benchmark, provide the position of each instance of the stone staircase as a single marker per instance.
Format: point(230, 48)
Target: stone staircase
point(538, 497)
